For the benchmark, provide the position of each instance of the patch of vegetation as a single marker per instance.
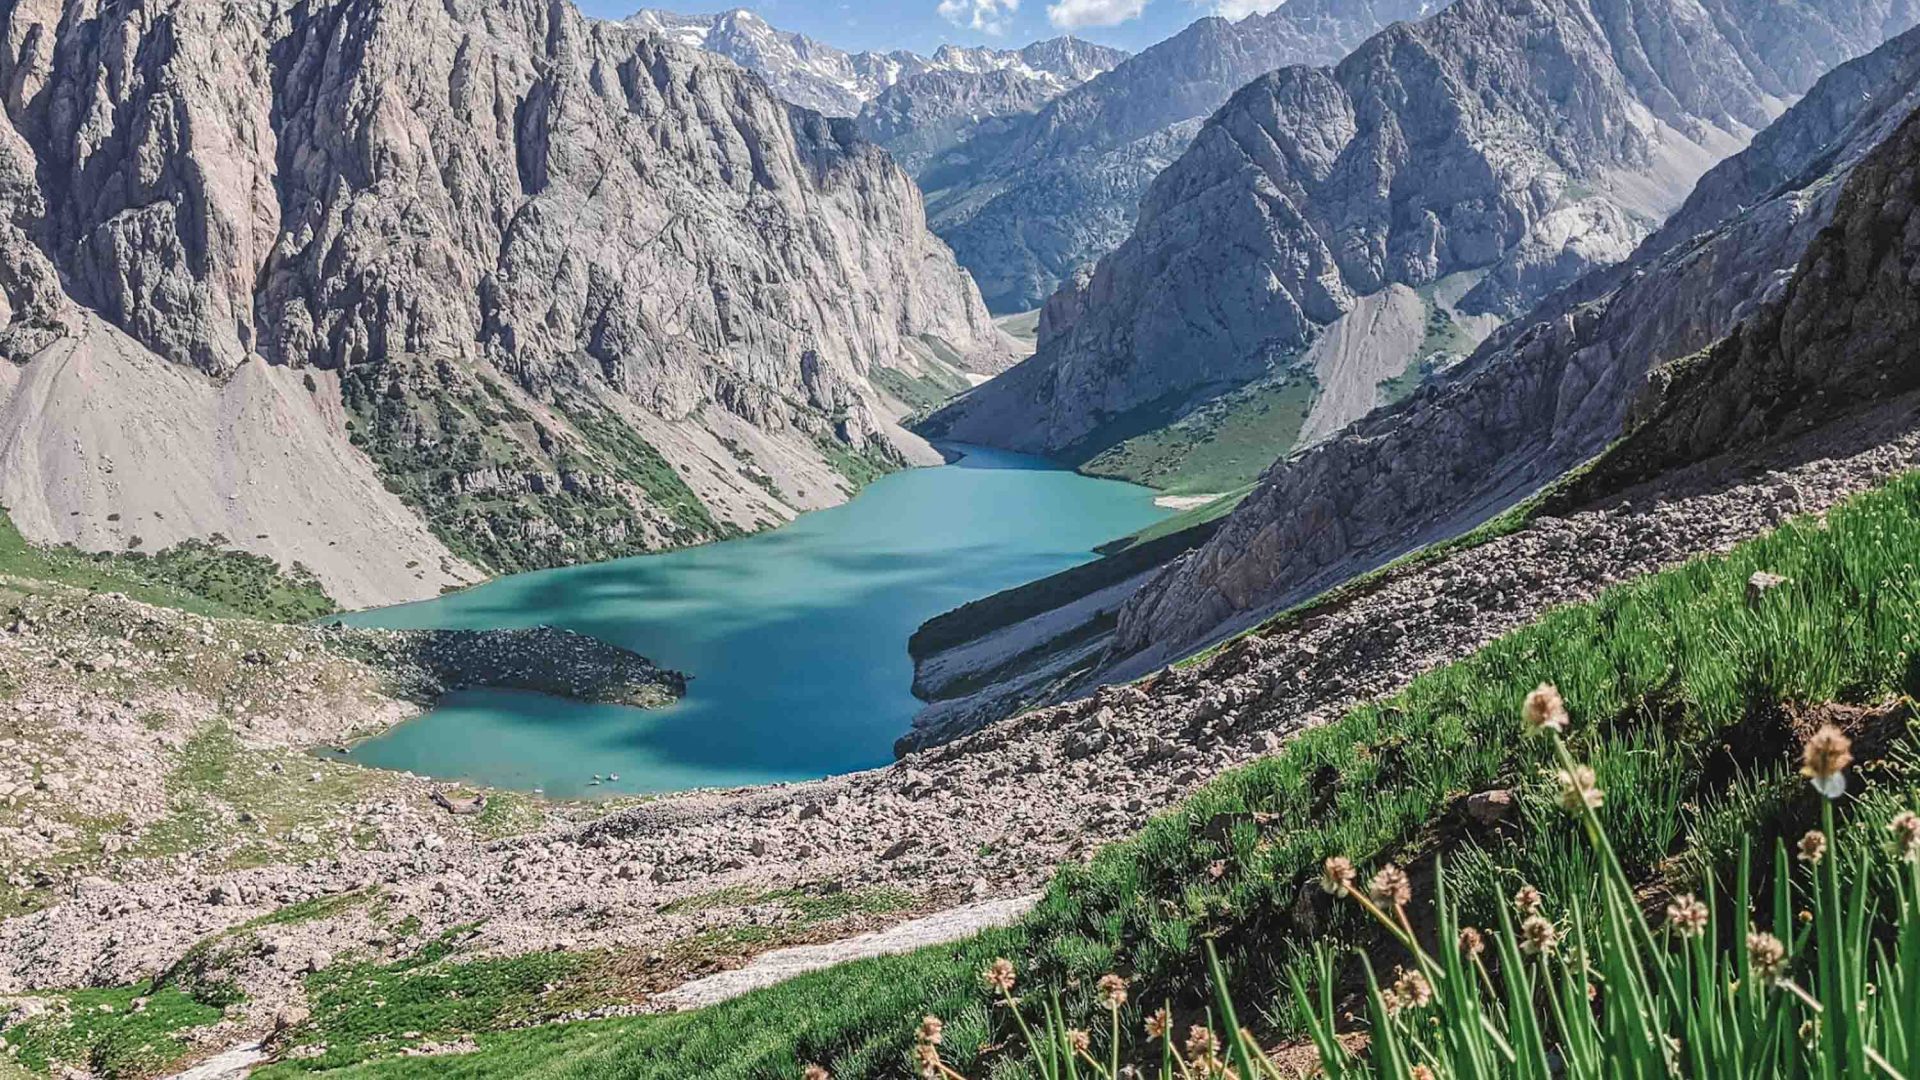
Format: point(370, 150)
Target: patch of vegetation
point(501, 488)
point(125, 1032)
point(640, 463)
point(860, 467)
point(1678, 682)
point(921, 393)
point(223, 797)
point(978, 618)
point(1219, 446)
point(1207, 513)
point(508, 813)
point(204, 577)
point(366, 1009)
point(808, 906)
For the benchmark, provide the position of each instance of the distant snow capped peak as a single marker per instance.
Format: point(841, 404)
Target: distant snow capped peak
point(818, 76)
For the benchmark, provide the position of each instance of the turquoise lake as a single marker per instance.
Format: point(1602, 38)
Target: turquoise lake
point(795, 639)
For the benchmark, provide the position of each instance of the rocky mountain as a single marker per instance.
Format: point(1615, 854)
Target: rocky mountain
point(922, 117)
point(415, 293)
point(837, 83)
point(1025, 207)
point(1494, 151)
point(1554, 389)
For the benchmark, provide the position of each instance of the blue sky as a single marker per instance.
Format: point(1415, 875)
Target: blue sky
point(922, 25)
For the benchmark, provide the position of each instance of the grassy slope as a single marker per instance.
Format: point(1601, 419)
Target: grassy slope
point(202, 578)
point(1220, 446)
point(1675, 680)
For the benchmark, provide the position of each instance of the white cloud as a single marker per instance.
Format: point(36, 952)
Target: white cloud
point(1075, 14)
point(1240, 9)
point(986, 16)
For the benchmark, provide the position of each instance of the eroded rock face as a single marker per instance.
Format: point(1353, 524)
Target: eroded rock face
point(1529, 141)
point(1025, 208)
point(1553, 389)
point(647, 270)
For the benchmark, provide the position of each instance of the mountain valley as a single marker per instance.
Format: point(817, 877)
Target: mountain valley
point(1478, 443)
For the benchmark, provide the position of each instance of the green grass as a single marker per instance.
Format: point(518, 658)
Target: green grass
point(1220, 446)
point(126, 1032)
point(215, 782)
point(198, 576)
point(808, 906)
point(859, 467)
point(477, 431)
point(1678, 683)
point(1207, 513)
point(364, 1009)
point(979, 618)
point(921, 393)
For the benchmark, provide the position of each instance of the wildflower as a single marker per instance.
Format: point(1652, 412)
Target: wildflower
point(1336, 875)
point(1545, 710)
point(1078, 1040)
point(1158, 1024)
point(1412, 989)
point(1538, 936)
point(1577, 790)
point(1527, 900)
point(815, 1072)
point(1766, 955)
point(1905, 828)
point(929, 1058)
point(932, 1030)
point(1420, 1072)
point(1812, 847)
point(1391, 887)
point(1113, 991)
point(1472, 942)
point(1217, 869)
point(1687, 916)
point(1200, 1043)
point(999, 975)
point(1824, 759)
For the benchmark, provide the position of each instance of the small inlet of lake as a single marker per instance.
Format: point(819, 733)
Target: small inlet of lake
point(795, 639)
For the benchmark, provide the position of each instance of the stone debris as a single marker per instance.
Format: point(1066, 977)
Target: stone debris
point(986, 816)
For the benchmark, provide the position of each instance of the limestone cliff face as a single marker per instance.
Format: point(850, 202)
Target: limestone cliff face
point(1027, 206)
point(1527, 141)
point(1553, 389)
point(528, 242)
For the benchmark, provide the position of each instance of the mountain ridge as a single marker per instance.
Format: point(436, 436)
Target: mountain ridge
point(551, 288)
point(836, 82)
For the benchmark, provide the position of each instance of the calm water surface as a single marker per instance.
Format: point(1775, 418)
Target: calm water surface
point(795, 639)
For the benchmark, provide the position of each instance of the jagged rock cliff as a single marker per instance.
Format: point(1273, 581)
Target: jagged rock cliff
point(1524, 141)
point(1553, 389)
point(920, 118)
point(835, 82)
point(1024, 208)
point(571, 290)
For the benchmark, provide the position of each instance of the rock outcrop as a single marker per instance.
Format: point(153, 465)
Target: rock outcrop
point(835, 82)
point(920, 118)
point(1553, 390)
point(1025, 207)
point(612, 277)
point(1526, 142)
